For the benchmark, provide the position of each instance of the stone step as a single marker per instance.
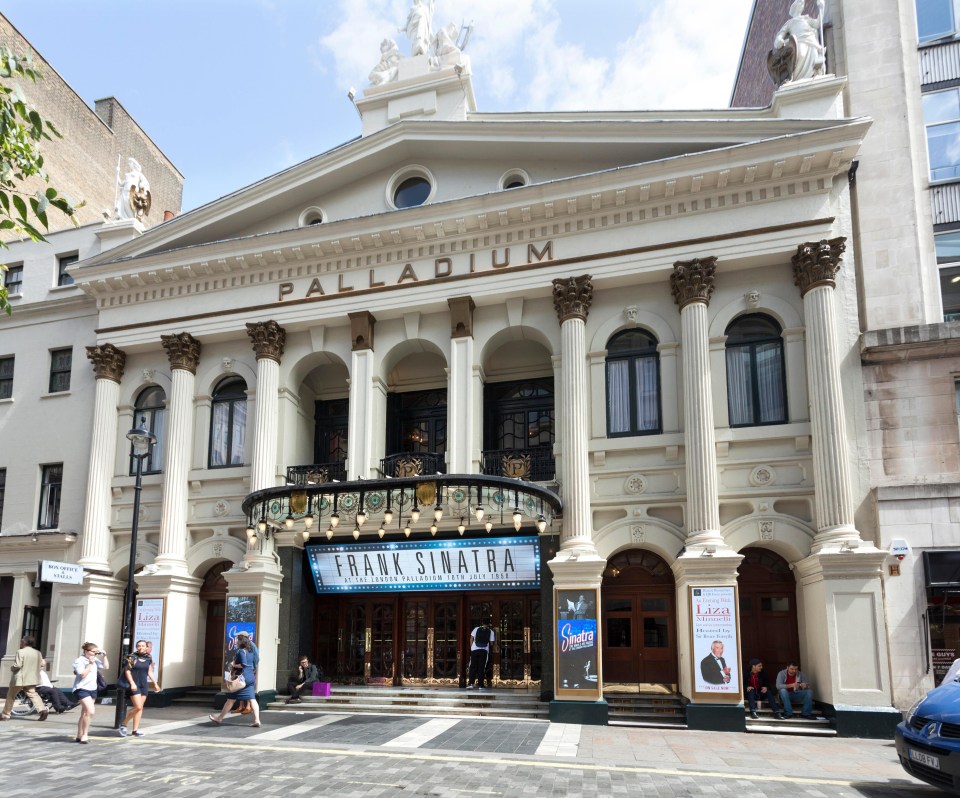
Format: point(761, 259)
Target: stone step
point(768, 724)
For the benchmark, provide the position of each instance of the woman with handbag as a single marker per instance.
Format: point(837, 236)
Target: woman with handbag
point(86, 669)
point(135, 674)
point(242, 687)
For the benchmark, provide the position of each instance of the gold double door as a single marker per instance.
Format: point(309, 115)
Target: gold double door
point(424, 639)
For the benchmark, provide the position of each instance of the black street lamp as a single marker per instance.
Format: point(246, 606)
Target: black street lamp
point(142, 440)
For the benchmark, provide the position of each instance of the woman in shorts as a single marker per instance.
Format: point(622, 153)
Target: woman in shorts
point(136, 674)
point(85, 668)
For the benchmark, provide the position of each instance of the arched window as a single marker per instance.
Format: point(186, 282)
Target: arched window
point(150, 411)
point(633, 384)
point(756, 377)
point(228, 423)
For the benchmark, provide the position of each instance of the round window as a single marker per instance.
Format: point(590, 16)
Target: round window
point(412, 192)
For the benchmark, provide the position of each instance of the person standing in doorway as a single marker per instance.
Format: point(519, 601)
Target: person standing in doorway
point(481, 642)
point(26, 677)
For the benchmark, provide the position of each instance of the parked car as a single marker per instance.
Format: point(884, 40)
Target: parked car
point(928, 741)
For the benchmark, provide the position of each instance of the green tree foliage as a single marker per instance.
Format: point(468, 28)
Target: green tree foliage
point(22, 129)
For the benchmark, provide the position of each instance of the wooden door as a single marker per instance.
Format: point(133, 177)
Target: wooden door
point(768, 610)
point(214, 641)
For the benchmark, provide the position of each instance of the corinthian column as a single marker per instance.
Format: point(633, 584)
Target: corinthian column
point(108, 364)
point(692, 284)
point(572, 298)
point(814, 268)
point(463, 390)
point(268, 339)
point(362, 404)
point(183, 351)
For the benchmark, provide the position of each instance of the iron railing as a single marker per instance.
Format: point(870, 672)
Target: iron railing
point(316, 474)
point(412, 464)
point(535, 464)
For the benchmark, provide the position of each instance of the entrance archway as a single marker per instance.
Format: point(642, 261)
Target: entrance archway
point(768, 610)
point(213, 592)
point(639, 620)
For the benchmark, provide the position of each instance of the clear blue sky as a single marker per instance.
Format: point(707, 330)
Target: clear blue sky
point(235, 91)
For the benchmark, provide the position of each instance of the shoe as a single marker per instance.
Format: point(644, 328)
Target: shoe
point(255, 725)
point(122, 731)
point(778, 715)
point(138, 733)
point(4, 717)
point(236, 710)
point(246, 711)
point(469, 687)
point(297, 700)
point(43, 715)
point(809, 717)
point(787, 717)
point(288, 701)
point(82, 742)
point(216, 719)
point(754, 715)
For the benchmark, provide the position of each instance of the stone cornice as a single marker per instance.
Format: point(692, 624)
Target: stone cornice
point(268, 339)
point(108, 362)
point(183, 351)
point(916, 342)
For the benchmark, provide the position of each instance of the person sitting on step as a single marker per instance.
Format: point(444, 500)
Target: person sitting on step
point(793, 688)
point(301, 679)
point(757, 690)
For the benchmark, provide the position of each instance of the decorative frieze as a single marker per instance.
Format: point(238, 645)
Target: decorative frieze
point(572, 297)
point(268, 339)
point(693, 281)
point(817, 263)
point(183, 351)
point(108, 362)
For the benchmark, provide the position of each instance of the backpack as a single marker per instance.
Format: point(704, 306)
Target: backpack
point(482, 637)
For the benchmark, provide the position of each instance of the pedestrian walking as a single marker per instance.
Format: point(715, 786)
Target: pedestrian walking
point(135, 677)
point(26, 677)
point(86, 667)
point(244, 663)
point(246, 707)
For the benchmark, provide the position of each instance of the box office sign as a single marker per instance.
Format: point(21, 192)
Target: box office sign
point(578, 644)
point(148, 626)
point(716, 641)
point(500, 563)
point(66, 573)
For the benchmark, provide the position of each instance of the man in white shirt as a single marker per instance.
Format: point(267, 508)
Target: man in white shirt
point(48, 693)
point(481, 644)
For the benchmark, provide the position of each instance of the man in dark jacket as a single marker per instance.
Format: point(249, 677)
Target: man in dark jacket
point(757, 689)
point(301, 679)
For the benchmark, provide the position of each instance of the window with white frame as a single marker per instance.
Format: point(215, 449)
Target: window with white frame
point(13, 279)
point(61, 362)
point(756, 379)
point(6, 377)
point(63, 263)
point(633, 384)
point(936, 19)
point(51, 482)
point(941, 116)
point(948, 261)
point(150, 413)
point(228, 423)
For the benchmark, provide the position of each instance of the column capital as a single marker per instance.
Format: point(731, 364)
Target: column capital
point(693, 281)
point(108, 362)
point(572, 297)
point(817, 263)
point(361, 330)
point(183, 351)
point(268, 339)
point(461, 316)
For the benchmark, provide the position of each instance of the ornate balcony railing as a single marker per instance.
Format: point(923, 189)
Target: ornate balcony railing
point(316, 474)
point(412, 464)
point(535, 465)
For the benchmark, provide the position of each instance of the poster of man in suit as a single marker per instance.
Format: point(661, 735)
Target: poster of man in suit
point(715, 660)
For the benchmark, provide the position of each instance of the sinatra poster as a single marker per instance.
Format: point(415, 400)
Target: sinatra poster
point(716, 644)
point(578, 645)
point(148, 625)
point(241, 617)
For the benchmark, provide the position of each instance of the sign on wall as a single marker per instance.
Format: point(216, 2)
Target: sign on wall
point(148, 626)
point(577, 650)
point(501, 563)
point(715, 641)
point(66, 573)
point(241, 617)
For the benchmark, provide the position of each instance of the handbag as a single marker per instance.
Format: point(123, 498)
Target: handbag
point(101, 682)
point(234, 685)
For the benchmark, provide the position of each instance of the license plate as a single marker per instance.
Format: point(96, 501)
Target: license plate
point(925, 759)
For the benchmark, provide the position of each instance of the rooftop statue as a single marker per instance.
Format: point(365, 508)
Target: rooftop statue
point(798, 52)
point(133, 200)
point(386, 68)
point(445, 49)
point(419, 27)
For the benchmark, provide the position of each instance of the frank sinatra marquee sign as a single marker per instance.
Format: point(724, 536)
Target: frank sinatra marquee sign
point(419, 273)
point(503, 563)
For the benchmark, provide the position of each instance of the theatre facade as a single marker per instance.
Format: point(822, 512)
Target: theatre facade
point(593, 375)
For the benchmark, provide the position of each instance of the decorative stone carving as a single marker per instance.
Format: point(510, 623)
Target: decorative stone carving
point(572, 297)
point(766, 530)
point(221, 508)
point(461, 316)
point(268, 339)
point(632, 312)
point(752, 298)
point(419, 26)
point(763, 476)
point(517, 466)
point(693, 281)
point(226, 364)
point(798, 52)
point(149, 375)
point(217, 549)
point(408, 467)
point(108, 362)
point(388, 65)
point(361, 330)
point(183, 351)
point(638, 533)
point(133, 198)
point(636, 484)
point(817, 263)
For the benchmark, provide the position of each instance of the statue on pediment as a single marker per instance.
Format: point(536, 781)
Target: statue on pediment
point(445, 49)
point(419, 27)
point(134, 198)
point(798, 51)
point(386, 68)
